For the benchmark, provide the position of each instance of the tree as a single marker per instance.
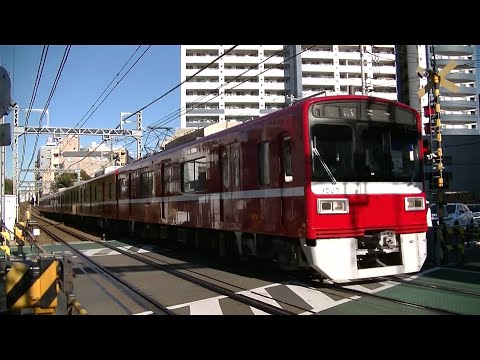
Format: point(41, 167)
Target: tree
point(65, 180)
point(84, 175)
point(9, 186)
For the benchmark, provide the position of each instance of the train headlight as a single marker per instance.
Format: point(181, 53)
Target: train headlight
point(332, 206)
point(414, 203)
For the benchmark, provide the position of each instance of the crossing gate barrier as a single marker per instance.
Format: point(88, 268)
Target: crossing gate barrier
point(32, 284)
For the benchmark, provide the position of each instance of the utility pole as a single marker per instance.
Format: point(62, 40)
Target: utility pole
point(433, 128)
point(362, 68)
point(435, 119)
point(2, 177)
point(294, 72)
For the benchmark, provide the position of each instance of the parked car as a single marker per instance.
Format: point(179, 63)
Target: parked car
point(475, 208)
point(454, 214)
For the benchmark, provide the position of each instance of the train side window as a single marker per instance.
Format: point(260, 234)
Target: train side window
point(175, 178)
point(146, 184)
point(263, 163)
point(225, 168)
point(236, 167)
point(287, 159)
point(194, 175)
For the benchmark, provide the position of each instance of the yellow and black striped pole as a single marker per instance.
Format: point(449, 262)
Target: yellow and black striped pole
point(438, 130)
point(31, 284)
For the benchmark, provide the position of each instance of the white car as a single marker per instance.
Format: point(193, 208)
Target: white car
point(475, 208)
point(454, 214)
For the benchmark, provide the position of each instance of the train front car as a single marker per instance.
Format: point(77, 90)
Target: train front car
point(364, 195)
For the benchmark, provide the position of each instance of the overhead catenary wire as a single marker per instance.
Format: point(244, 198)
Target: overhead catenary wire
point(265, 70)
point(244, 81)
point(183, 82)
point(118, 82)
point(179, 110)
point(162, 96)
point(52, 92)
point(175, 114)
point(41, 65)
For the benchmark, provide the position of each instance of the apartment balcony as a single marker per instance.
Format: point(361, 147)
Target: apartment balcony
point(241, 98)
point(350, 69)
point(200, 98)
point(277, 59)
point(242, 59)
point(461, 64)
point(383, 82)
point(206, 72)
point(462, 91)
point(240, 85)
point(274, 98)
point(201, 111)
point(273, 72)
point(349, 55)
point(350, 81)
point(384, 69)
point(458, 118)
point(209, 85)
point(272, 47)
point(461, 77)
point(384, 57)
point(240, 72)
point(307, 81)
point(383, 95)
point(460, 131)
point(200, 59)
point(242, 112)
point(309, 54)
point(454, 50)
point(458, 105)
point(319, 68)
point(274, 86)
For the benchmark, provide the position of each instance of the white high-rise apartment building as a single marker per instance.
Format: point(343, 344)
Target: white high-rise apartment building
point(240, 86)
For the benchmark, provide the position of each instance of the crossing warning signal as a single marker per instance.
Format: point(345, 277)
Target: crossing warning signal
point(440, 77)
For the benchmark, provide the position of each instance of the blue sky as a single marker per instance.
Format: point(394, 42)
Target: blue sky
point(88, 71)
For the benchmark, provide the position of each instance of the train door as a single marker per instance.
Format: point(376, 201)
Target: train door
point(101, 199)
point(130, 194)
point(230, 179)
point(286, 174)
point(226, 192)
point(164, 169)
point(117, 196)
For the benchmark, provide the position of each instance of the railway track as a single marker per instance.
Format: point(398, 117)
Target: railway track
point(414, 282)
point(234, 292)
point(433, 310)
point(172, 269)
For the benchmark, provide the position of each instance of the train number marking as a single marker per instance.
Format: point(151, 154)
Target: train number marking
point(330, 190)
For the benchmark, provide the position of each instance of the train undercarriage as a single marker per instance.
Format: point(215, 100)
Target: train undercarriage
point(378, 253)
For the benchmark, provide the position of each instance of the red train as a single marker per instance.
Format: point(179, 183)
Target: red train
point(334, 184)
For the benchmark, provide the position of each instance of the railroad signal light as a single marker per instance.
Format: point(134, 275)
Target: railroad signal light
point(440, 182)
point(427, 147)
point(428, 111)
point(427, 127)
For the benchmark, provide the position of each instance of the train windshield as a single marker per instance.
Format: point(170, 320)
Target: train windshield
point(364, 151)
